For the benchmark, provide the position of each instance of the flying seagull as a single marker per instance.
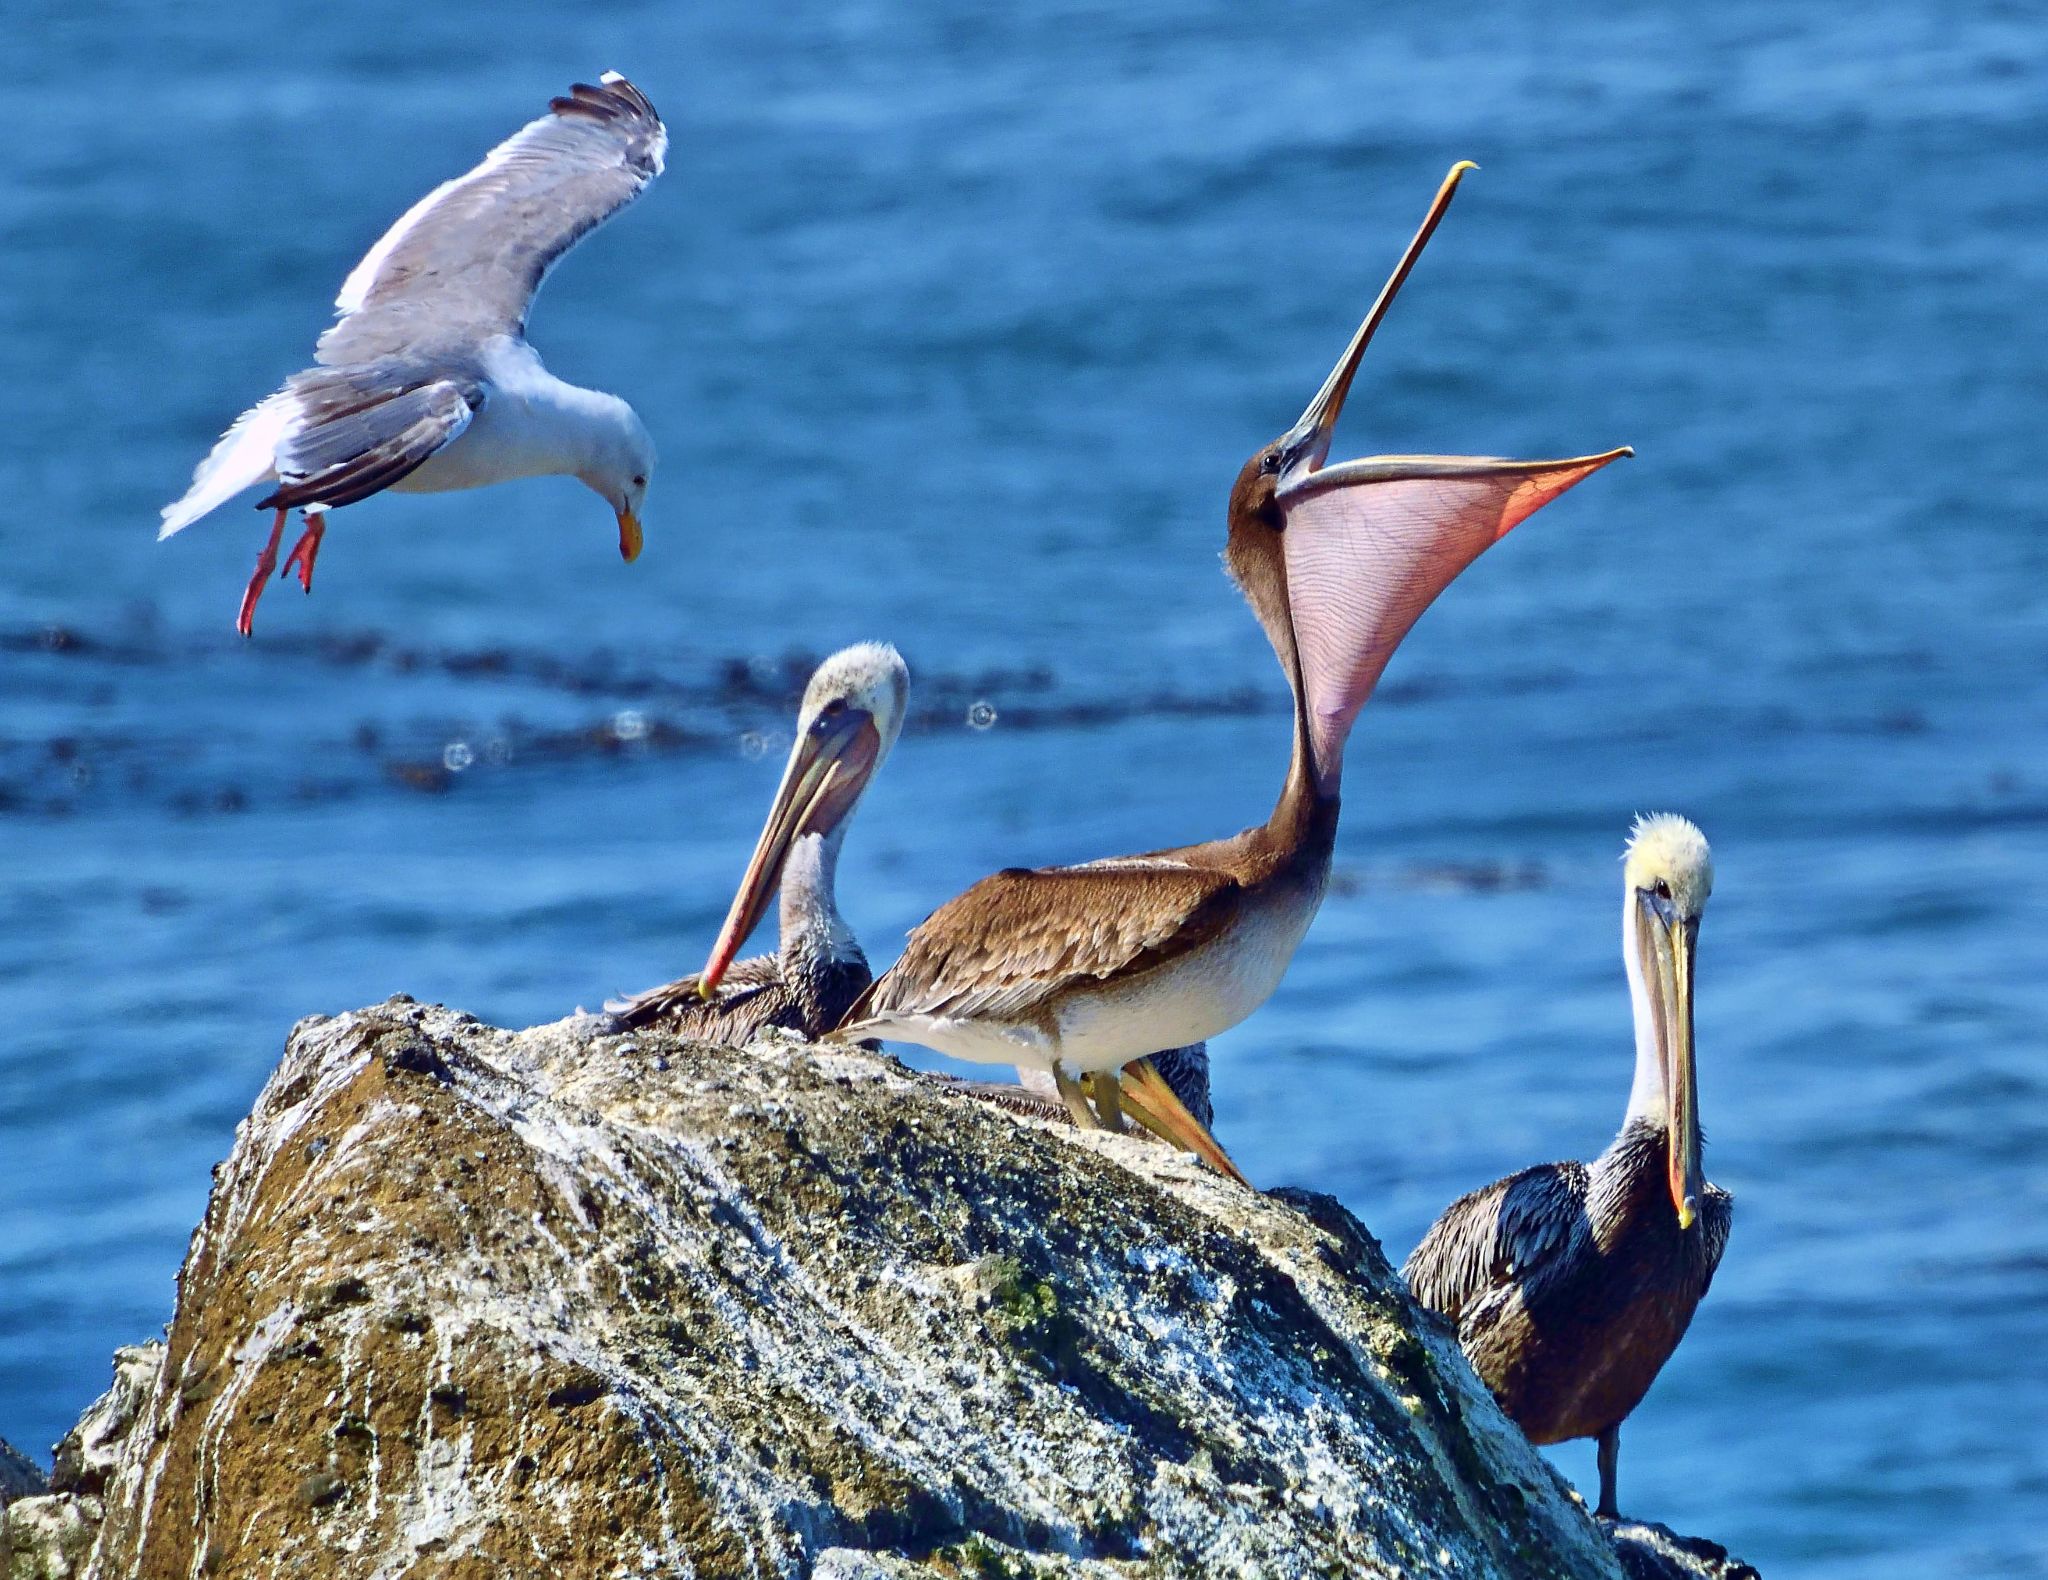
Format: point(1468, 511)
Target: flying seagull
point(425, 383)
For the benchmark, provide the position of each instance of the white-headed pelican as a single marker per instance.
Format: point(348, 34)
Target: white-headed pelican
point(851, 713)
point(1572, 1283)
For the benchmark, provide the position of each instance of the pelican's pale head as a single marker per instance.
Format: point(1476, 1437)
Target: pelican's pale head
point(868, 678)
point(1668, 873)
point(1667, 850)
point(851, 714)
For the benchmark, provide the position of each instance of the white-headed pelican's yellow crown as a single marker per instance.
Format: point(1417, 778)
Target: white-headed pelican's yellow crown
point(1664, 846)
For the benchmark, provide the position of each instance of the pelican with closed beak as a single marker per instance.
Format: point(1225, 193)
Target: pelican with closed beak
point(1571, 1284)
point(851, 713)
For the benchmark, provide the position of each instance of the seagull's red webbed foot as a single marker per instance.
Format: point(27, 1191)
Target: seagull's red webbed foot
point(307, 549)
point(266, 562)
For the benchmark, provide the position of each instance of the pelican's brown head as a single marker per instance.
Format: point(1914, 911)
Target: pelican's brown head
point(1340, 561)
point(1255, 507)
point(1668, 873)
point(851, 714)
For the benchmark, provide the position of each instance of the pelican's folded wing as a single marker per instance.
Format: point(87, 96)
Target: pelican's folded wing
point(1503, 1234)
point(1019, 939)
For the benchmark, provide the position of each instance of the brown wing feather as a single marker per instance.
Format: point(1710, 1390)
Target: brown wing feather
point(1019, 939)
point(1500, 1234)
point(748, 1000)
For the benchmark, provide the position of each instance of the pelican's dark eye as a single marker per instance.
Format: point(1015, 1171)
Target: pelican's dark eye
point(1271, 463)
point(827, 714)
point(1661, 889)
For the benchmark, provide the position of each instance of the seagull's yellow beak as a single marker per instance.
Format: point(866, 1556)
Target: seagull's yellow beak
point(629, 536)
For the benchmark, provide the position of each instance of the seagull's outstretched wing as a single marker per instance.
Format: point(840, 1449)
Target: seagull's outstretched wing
point(469, 256)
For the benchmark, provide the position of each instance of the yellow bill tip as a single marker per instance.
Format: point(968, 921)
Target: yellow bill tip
point(1686, 1215)
point(629, 536)
point(1459, 169)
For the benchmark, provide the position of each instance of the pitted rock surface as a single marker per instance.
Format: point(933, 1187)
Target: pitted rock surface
point(472, 1302)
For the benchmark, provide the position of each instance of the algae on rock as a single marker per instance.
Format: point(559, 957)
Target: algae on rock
point(467, 1301)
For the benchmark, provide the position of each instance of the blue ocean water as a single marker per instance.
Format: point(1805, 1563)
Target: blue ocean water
point(954, 325)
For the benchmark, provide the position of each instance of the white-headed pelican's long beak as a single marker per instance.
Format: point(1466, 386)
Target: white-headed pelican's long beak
point(828, 767)
point(1668, 944)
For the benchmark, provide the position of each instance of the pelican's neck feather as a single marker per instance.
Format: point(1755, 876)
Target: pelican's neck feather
point(1648, 1102)
point(809, 909)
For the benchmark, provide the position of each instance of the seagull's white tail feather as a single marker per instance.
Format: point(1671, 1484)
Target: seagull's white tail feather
point(245, 456)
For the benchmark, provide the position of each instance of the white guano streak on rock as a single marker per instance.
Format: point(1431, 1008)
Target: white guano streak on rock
point(582, 1150)
point(247, 1361)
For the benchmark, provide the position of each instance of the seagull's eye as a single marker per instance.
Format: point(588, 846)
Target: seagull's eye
point(639, 482)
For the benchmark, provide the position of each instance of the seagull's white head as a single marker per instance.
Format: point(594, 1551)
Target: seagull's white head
point(620, 470)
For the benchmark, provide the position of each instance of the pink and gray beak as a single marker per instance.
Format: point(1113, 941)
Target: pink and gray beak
point(1369, 544)
point(1307, 443)
point(828, 768)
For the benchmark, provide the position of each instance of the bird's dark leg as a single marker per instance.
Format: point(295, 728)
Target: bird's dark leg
point(307, 549)
point(266, 562)
point(1109, 1099)
point(1610, 1465)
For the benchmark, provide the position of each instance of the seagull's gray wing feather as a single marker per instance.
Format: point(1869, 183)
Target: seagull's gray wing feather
point(357, 431)
point(469, 256)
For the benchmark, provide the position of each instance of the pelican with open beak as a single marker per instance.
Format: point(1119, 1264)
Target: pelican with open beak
point(1571, 1284)
point(1077, 971)
point(851, 714)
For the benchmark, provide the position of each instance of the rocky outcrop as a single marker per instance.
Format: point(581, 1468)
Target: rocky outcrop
point(19, 1475)
point(473, 1302)
point(1656, 1552)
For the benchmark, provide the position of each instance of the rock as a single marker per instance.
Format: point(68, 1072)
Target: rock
point(20, 1477)
point(1656, 1552)
point(469, 1302)
point(86, 1454)
point(48, 1538)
